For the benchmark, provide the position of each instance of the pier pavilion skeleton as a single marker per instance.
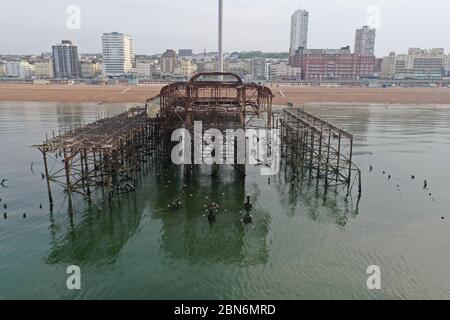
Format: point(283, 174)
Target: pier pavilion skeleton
point(317, 148)
point(109, 152)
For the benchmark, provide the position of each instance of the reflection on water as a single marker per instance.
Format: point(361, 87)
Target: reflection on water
point(303, 242)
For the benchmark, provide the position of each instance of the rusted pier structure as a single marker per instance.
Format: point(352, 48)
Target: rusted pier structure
point(318, 149)
point(106, 153)
point(219, 101)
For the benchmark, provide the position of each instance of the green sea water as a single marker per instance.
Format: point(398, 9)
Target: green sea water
point(301, 244)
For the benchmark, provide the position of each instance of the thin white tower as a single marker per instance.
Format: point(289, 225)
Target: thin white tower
point(220, 53)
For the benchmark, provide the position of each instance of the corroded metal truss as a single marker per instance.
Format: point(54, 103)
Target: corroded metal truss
point(318, 149)
point(219, 100)
point(106, 153)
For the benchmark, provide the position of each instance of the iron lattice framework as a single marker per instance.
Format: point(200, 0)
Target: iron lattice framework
point(219, 100)
point(106, 153)
point(318, 149)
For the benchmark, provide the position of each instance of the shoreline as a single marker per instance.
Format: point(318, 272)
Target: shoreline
point(283, 94)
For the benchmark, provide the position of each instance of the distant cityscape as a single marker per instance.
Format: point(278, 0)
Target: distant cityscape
point(118, 62)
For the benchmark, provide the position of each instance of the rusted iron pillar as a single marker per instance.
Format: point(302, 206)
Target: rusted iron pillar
point(47, 176)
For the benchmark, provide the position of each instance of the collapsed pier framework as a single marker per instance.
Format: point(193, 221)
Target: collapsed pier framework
point(108, 153)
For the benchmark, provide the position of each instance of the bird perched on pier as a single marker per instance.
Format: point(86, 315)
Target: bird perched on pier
point(3, 183)
point(247, 206)
point(425, 184)
point(5, 206)
point(211, 215)
point(5, 215)
point(177, 204)
point(370, 168)
point(413, 177)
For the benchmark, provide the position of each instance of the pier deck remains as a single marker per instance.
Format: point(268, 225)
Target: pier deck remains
point(316, 148)
point(108, 153)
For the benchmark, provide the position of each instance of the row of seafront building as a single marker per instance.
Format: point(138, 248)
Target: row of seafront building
point(118, 60)
point(306, 64)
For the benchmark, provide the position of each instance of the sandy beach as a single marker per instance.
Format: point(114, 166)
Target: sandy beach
point(284, 94)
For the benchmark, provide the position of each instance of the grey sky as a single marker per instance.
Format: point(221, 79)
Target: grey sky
point(30, 26)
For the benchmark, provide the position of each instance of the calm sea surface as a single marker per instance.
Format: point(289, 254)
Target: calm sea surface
point(301, 245)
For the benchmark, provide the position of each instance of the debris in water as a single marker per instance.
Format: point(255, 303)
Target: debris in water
point(211, 215)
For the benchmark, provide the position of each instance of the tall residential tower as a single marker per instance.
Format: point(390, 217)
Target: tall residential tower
point(365, 40)
point(66, 63)
point(299, 31)
point(118, 54)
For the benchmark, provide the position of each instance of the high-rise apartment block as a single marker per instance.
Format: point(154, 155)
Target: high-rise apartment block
point(365, 40)
point(299, 31)
point(117, 54)
point(66, 63)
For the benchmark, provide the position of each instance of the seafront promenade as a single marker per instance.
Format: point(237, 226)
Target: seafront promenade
point(283, 94)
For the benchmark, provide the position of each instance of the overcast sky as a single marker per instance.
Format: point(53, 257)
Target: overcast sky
point(30, 26)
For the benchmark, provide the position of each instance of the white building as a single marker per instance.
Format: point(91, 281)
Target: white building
point(299, 30)
point(447, 66)
point(90, 69)
point(186, 68)
point(44, 69)
point(282, 71)
point(417, 64)
point(240, 67)
point(18, 69)
point(258, 69)
point(118, 54)
point(144, 69)
point(365, 40)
